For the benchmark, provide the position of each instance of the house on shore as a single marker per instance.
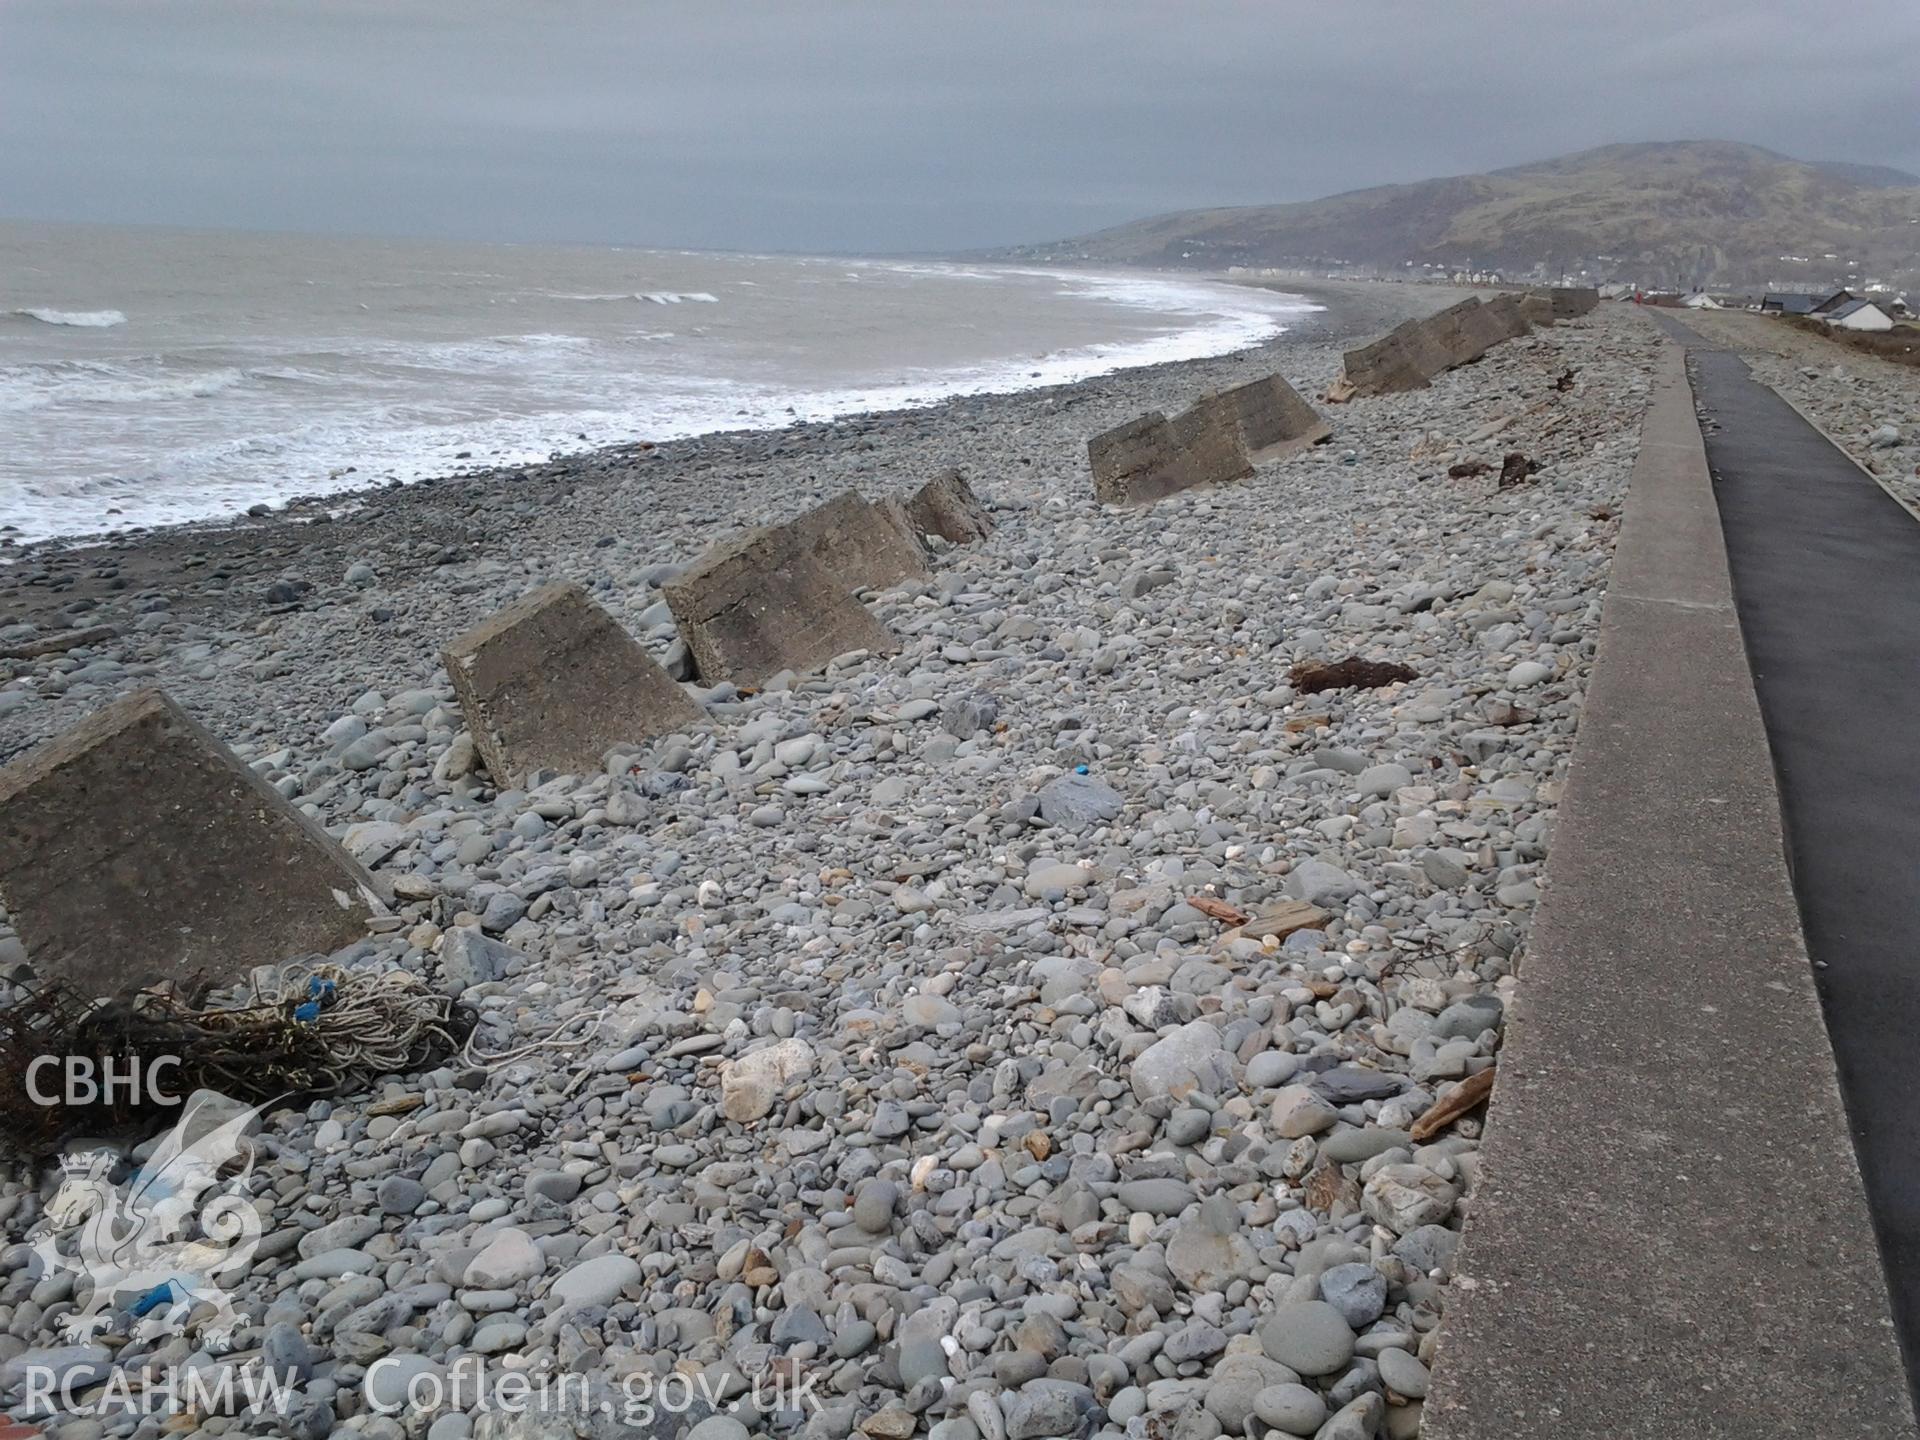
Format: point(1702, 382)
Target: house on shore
point(1859, 315)
point(1819, 304)
point(1841, 308)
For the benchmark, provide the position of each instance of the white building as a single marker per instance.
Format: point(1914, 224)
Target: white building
point(1859, 315)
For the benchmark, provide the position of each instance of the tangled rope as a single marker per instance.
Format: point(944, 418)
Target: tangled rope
point(550, 1041)
point(321, 1030)
point(305, 1030)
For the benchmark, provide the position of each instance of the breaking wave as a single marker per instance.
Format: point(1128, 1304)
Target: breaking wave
point(85, 383)
point(86, 319)
point(231, 411)
point(652, 297)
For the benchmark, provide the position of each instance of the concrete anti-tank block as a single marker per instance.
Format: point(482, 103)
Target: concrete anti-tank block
point(1274, 421)
point(1396, 362)
point(761, 603)
point(136, 847)
point(862, 544)
point(1208, 433)
point(1455, 336)
point(1483, 327)
point(1413, 352)
point(1505, 313)
point(1152, 457)
point(1135, 462)
point(946, 506)
point(1570, 301)
point(552, 682)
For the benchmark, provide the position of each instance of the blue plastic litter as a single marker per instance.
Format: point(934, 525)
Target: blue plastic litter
point(154, 1299)
point(1080, 770)
point(320, 994)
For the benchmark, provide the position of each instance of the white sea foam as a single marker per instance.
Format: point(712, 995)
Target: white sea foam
point(654, 297)
point(85, 319)
point(145, 390)
point(216, 423)
point(34, 387)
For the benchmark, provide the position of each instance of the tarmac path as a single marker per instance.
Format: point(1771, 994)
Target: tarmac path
point(1671, 1236)
point(1826, 580)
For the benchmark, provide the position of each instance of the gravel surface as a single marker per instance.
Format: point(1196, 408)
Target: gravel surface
point(916, 1045)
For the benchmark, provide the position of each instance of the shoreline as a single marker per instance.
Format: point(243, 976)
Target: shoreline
point(529, 422)
point(1341, 315)
point(331, 520)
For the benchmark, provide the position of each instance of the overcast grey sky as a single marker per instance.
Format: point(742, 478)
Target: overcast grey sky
point(882, 124)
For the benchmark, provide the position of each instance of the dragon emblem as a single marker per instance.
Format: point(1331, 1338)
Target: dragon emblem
point(150, 1244)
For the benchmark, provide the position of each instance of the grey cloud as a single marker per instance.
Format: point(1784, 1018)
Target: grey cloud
point(879, 124)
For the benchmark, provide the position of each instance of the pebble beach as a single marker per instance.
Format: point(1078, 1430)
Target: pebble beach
point(1021, 1036)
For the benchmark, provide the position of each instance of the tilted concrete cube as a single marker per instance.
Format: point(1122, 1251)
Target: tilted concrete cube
point(1537, 307)
point(862, 544)
point(1583, 299)
point(1456, 336)
point(1570, 301)
point(1152, 457)
point(1483, 329)
point(760, 604)
point(1274, 421)
point(1135, 462)
point(1399, 360)
point(946, 506)
point(1413, 352)
point(136, 847)
point(1506, 314)
point(1209, 432)
point(552, 682)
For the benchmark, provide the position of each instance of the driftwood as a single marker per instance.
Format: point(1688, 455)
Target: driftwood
point(60, 643)
point(1516, 469)
point(1279, 921)
point(1219, 909)
point(1310, 677)
point(1469, 1093)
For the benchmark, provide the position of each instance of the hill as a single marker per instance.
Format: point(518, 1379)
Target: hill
point(1667, 215)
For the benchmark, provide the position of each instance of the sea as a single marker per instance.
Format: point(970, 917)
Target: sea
point(153, 376)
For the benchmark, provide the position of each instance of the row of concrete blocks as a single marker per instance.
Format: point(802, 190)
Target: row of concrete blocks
point(1217, 439)
point(1568, 302)
point(1413, 352)
point(136, 846)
